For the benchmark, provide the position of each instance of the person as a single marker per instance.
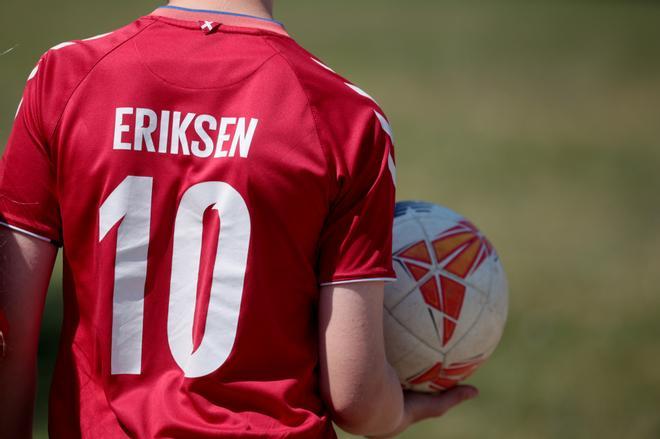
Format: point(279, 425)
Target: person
point(224, 201)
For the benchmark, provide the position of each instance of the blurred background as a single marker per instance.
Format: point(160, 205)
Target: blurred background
point(540, 121)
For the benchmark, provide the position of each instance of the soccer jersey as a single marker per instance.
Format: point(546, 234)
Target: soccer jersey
point(204, 175)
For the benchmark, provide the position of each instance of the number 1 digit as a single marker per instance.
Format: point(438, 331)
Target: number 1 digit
point(129, 203)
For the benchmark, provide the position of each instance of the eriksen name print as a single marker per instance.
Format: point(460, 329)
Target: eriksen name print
point(178, 133)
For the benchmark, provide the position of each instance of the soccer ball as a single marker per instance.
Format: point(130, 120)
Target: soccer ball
point(445, 314)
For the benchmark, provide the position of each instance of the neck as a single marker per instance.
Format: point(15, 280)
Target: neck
point(256, 8)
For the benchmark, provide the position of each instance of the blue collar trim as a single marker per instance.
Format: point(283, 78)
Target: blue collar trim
point(234, 14)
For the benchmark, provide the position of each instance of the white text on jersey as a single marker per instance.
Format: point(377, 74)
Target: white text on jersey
point(174, 133)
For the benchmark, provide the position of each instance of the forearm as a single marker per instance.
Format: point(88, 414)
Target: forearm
point(18, 366)
point(379, 407)
point(25, 268)
point(17, 390)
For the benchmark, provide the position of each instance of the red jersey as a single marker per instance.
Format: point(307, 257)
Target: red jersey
point(205, 175)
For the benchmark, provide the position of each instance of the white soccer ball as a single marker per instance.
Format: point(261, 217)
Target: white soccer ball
point(445, 314)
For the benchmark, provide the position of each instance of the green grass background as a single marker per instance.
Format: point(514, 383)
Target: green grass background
point(539, 120)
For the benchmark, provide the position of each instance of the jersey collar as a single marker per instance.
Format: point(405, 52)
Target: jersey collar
point(224, 18)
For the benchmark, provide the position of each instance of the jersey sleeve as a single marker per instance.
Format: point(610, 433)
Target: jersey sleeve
point(28, 201)
point(356, 244)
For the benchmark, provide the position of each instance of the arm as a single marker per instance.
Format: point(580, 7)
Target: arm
point(25, 267)
point(360, 387)
point(358, 384)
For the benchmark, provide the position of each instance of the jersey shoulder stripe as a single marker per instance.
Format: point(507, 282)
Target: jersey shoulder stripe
point(64, 67)
point(320, 81)
point(341, 108)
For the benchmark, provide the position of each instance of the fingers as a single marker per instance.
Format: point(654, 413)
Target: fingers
point(423, 406)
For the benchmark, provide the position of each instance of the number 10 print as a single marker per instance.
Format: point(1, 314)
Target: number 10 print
point(130, 203)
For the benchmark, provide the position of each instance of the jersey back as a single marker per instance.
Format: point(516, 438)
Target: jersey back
point(205, 175)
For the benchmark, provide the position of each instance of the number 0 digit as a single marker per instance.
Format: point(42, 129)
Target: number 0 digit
point(228, 277)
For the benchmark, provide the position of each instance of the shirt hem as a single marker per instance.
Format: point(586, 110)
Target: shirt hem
point(26, 232)
point(357, 280)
